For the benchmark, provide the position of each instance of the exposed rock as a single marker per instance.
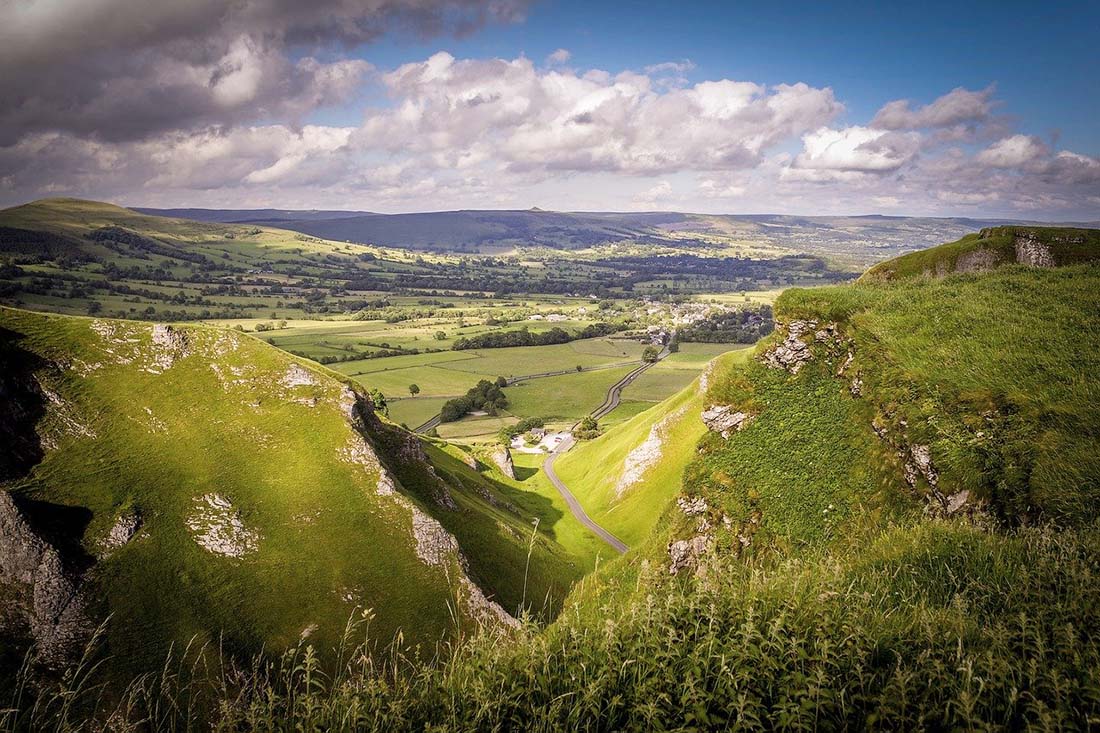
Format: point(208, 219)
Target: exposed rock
point(218, 527)
point(686, 553)
point(358, 450)
point(955, 502)
point(646, 454)
point(692, 507)
point(57, 613)
point(469, 460)
point(434, 544)
point(922, 463)
point(980, 260)
point(171, 344)
point(722, 419)
point(502, 457)
point(298, 376)
point(122, 531)
point(856, 387)
point(792, 352)
point(485, 610)
point(1030, 251)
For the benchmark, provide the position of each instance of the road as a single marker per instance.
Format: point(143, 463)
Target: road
point(574, 505)
point(437, 419)
point(611, 401)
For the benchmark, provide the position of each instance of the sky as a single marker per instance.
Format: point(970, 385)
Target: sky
point(930, 109)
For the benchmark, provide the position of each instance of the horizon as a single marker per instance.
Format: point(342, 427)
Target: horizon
point(510, 104)
point(636, 212)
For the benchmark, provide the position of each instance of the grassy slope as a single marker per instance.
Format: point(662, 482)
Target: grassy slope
point(327, 543)
point(999, 242)
point(592, 469)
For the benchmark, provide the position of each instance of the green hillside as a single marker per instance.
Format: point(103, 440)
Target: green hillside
point(885, 517)
point(994, 247)
point(196, 483)
point(626, 477)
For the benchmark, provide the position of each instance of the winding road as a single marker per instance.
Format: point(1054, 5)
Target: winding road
point(611, 401)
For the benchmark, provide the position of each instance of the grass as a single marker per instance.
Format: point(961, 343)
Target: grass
point(592, 469)
point(218, 421)
point(523, 360)
point(996, 372)
point(565, 398)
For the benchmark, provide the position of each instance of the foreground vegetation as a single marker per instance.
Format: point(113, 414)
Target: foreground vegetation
point(900, 531)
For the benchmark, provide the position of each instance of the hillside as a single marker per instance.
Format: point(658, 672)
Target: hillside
point(888, 517)
point(859, 240)
point(199, 485)
point(628, 475)
point(995, 247)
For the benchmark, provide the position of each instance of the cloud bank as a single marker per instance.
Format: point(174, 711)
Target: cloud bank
point(207, 103)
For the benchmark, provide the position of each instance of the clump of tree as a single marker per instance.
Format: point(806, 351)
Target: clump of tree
point(524, 337)
point(588, 428)
point(731, 327)
point(530, 423)
point(485, 396)
point(414, 389)
point(650, 354)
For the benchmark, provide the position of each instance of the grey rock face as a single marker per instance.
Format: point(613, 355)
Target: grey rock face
point(122, 531)
point(692, 507)
point(1030, 251)
point(979, 260)
point(57, 613)
point(171, 344)
point(722, 419)
point(686, 553)
point(298, 376)
point(502, 457)
point(793, 351)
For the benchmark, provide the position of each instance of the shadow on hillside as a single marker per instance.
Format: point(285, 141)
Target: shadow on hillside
point(22, 406)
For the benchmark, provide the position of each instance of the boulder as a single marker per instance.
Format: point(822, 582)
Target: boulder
point(722, 419)
point(502, 457)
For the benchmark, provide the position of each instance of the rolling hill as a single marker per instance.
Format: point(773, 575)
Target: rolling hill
point(859, 240)
point(197, 485)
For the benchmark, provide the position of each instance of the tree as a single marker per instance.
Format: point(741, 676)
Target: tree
point(94, 307)
point(379, 401)
point(440, 336)
point(650, 354)
point(502, 381)
point(414, 390)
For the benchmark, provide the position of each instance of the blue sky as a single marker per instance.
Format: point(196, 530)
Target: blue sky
point(975, 109)
point(1044, 58)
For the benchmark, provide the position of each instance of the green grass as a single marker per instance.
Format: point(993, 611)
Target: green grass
point(414, 412)
point(564, 398)
point(219, 421)
point(522, 360)
point(997, 373)
point(1067, 247)
point(592, 469)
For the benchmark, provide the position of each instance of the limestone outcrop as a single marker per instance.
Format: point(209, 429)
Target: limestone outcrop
point(724, 420)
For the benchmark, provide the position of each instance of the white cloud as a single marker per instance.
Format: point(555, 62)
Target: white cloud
point(958, 107)
point(1013, 152)
point(856, 149)
point(560, 56)
point(558, 120)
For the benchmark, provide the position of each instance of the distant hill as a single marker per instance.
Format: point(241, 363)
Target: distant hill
point(857, 239)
